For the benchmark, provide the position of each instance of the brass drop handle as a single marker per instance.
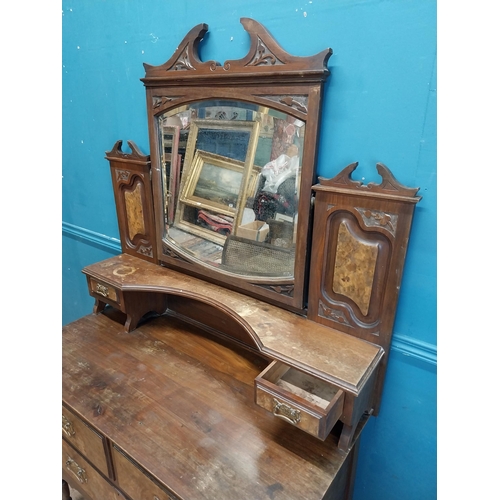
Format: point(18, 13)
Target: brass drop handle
point(78, 471)
point(285, 412)
point(102, 290)
point(67, 427)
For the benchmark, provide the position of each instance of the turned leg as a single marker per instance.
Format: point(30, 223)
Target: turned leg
point(65, 491)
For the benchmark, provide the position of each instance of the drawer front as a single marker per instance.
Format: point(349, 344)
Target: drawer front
point(288, 410)
point(84, 478)
point(134, 482)
point(85, 439)
point(104, 291)
point(310, 404)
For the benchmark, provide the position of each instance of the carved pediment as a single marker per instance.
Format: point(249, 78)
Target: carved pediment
point(135, 153)
point(389, 185)
point(263, 56)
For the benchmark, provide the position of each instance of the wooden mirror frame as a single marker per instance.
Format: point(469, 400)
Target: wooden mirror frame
point(267, 76)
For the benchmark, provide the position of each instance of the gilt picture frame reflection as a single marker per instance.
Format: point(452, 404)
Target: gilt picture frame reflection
point(233, 139)
point(217, 183)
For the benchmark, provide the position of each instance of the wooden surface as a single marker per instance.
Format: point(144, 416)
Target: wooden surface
point(360, 238)
point(180, 404)
point(324, 352)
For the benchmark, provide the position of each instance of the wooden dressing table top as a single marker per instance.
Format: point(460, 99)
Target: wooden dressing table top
point(321, 351)
point(180, 403)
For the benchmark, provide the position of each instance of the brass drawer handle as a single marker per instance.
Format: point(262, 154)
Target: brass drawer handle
point(67, 427)
point(73, 467)
point(102, 290)
point(284, 411)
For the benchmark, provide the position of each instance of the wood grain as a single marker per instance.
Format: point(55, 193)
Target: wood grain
point(180, 403)
point(316, 349)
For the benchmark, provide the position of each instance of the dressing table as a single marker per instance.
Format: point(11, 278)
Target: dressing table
point(238, 345)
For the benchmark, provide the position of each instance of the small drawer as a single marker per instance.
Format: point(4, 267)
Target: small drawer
point(84, 478)
point(85, 439)
point(306, 402)
point(103, 291)
point(134, 481)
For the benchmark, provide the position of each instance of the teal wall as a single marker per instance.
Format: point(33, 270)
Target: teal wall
point(380, 106)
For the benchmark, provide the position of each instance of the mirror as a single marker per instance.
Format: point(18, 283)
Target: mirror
point(233, 153)
point(230, 175)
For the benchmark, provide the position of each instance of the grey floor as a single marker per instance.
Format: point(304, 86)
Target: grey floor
point(75, 495)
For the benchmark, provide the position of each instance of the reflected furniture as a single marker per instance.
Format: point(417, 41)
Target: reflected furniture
point(221, 359)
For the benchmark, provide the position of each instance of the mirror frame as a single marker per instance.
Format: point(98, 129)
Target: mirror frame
point(267, 76)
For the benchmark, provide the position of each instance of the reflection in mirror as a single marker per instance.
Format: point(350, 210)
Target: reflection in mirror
point(230, 179)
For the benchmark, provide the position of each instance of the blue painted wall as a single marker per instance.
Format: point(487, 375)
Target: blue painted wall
point(380, 106)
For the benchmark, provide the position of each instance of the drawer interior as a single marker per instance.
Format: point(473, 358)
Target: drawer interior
point(317, 392)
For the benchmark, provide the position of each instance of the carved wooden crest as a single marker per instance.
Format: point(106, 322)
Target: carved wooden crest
point(388, 187)
point(265, 56)
point(134, 155)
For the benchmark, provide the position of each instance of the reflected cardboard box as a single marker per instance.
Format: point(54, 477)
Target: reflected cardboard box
point(256, 230)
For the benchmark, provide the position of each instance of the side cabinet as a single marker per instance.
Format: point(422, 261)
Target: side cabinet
point(360, 237)
point(131, 175)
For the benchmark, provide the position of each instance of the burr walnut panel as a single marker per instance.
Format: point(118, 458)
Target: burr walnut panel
point(134, 201)
point(355, 271)
point(354, 268)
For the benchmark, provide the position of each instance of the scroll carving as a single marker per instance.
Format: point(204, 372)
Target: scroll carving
point(264, 52)
point(183, 62)
point(263, 55)
point(146, 250)
point(159, 101)
point(117, 152)
point(122, 175)
point(297, 102)
point(376, 218)
point(332, 314)
point(281, 289)
point(294, 103)
point(389, 185)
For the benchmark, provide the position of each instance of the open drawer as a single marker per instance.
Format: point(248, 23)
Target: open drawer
point(306, 402)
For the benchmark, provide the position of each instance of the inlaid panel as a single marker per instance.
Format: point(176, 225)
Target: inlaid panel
point(355, 262)
point(134, 199)
point(354, 268)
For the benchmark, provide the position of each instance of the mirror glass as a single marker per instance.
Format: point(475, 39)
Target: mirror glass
point(230, 180)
